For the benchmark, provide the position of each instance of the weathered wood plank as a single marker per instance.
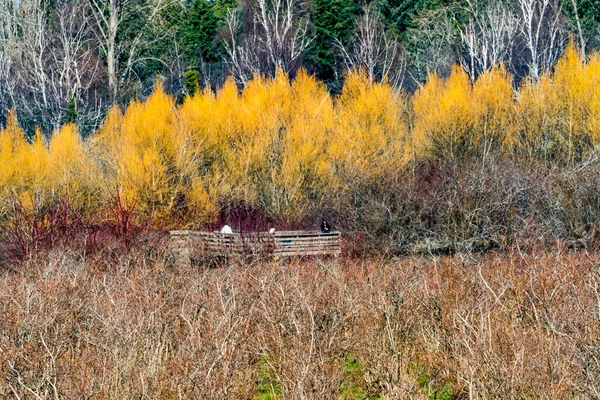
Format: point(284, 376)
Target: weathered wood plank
point(306, 253)
point(306, 244)
point(184, 243)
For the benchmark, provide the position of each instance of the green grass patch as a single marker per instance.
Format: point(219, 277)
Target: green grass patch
point(268, 386)
point(352, 387)
point(431, 385)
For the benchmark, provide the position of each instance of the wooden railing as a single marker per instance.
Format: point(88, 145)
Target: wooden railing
point(186, 245)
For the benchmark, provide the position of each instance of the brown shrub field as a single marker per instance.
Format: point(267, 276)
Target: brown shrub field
point(125, 325)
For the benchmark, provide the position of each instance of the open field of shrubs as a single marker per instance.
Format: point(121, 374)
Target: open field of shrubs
point(132, 325)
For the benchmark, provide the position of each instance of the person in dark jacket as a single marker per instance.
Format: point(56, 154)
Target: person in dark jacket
point(325, 228)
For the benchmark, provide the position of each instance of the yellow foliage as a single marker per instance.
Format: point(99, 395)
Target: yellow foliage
point(592, 77)
point(493, 112)
point(284, 146)
point(456, 119)
point(443, 116)
point(35, 189)
point(25, 174)
point(370, 134)
point(534, 117)
point(145, 151)
point(12, 146)
point(70, 171)
point(558, 115)
point(275, 158)
point(35, 175)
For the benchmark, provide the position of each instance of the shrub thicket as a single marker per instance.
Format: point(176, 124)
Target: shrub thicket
point(458, 161)
point(503, 326)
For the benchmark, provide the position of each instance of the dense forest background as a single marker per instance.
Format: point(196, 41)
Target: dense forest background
point(70, 60)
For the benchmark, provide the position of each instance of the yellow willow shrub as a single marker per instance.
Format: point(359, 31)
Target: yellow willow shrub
point(25, 171)
point(574, 90)
point(455, 119)
point(424, 103)
point(35, 161)
point(275, 157)
point(242, 143)
point(105, 149)
point(145, 157)
point(13, 151)
point(150, 172)
point(559, 113)
point(36, 175)
point(592, 72)
point(202, 199)
point(370, 134)
point(493, 110)
point(536, 118)
point(12, 142)
point(255, 154)
point(304, 167)
point(444, 116)
point(210, 122)
point(71, 172)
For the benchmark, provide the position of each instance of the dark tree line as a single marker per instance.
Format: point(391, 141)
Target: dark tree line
point(70, 60)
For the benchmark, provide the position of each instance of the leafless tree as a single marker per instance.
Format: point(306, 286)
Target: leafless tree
point(8, 41)
point(50, 64)
point(375, 51)
point(242, 53)
point(541, 29)
point(78, 70)
point(488, 37)
point(278, 37)
point(110, 17)
point(432, 38)
point(32, 49)
point(580, 36)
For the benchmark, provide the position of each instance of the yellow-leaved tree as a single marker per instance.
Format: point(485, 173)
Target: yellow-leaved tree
point(148, 158)
point(493, 108)
point(558, 115)
point(275, 158)
point(370, 134)
point(287, 147)
point(444, 116)
point(455, 119)
point(71, 172)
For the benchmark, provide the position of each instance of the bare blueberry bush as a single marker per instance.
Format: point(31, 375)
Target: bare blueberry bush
point(503, 325)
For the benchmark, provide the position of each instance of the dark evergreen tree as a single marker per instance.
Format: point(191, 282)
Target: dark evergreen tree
point(222, 7)
point(588, 12)
point(333, 22)
point(192, 79)
point(195, 26)
point(71, 114)
point(197, 32)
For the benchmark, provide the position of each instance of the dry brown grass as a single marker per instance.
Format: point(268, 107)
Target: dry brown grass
point(499, 326)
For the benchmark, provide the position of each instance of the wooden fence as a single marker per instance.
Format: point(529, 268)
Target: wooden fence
point(187, 245)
